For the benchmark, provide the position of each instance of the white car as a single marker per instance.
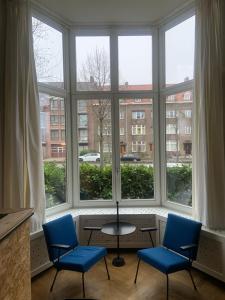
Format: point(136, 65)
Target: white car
point(90, 157)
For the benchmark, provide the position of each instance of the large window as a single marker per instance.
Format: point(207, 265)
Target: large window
point(48, 52)
point(120, 129)
point(178, 87)
point(179, 54)
point(178, 150)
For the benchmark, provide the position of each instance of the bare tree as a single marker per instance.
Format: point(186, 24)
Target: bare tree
point(96, 70)
point(42, 52)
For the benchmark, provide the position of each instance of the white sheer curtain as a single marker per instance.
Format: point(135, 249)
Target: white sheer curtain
point(209, 110)
point(23, 181)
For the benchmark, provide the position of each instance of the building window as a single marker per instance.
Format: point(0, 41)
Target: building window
point(107, 148)
point(54, 104)
point(171, 146)
point(187, 129)
point(63, 135)
point(138, 129)
point(82, 106)
point(138, 146)
point(187, 96)
point(171, 98)
point(171, 129)
point(62, 120)
point(83, 121)
point(171, 114)
point(138, 115)
point(54, 135)
point(122, 114)
point(83, 135)
point(188, 113)
point(121, 130)
point(54, 119)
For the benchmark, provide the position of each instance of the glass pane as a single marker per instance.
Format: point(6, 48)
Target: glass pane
point(93, 63)
point(135, 62)
point(179, 147)
point(95, 149)
point(136, 148)
point(52, 121)
point(180, 43)
point(48, 53)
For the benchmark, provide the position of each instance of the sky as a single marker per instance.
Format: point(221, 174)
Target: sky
point(134, 53)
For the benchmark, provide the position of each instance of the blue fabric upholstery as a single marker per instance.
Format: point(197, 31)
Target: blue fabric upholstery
point(81, 259)
point(163, 259)
point(180, 232)
point(60, 231)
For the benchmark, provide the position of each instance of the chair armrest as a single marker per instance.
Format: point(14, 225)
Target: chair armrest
point(61, 246)
point(188, 247)
point(147, 229)
point(92, 228)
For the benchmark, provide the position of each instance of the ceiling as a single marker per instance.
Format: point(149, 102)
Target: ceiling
point(113, 11)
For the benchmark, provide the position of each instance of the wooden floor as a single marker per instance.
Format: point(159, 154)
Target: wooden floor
point(151, 284)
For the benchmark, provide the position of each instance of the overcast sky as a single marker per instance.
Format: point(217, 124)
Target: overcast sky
point(135, 54)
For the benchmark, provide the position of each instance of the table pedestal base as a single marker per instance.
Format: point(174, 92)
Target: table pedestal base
point(118, 261)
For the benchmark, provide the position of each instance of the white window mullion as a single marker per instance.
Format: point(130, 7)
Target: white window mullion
point(116, 185)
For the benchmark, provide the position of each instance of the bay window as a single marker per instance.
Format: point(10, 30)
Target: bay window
point(117, 124)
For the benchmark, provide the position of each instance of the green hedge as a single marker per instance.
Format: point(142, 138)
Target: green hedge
point(137, 182)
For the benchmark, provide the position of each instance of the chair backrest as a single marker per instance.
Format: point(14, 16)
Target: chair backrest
point(60, 231)
point(179, 232)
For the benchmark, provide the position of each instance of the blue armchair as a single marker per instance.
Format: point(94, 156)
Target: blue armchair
point(65, 252)
point(179, 248)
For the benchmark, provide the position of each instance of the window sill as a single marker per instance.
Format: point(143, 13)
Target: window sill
point(160, 212)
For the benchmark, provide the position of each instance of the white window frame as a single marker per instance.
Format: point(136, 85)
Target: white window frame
point(187, 129)
point(71, 96)
point(164, 93)
point(62, 93)
point(138, 115)
point(115, 95)
point(136, 128)
point(136, 144)
point(171, 128)
point(188, 113)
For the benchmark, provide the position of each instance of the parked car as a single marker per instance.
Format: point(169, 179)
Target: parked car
point(130, 157)
point(94, 157)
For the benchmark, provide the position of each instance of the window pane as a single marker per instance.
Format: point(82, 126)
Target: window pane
point(179, 43)
point(48, 53)
point(135, 62)
point(54, 148)
point(93, 63)
point(179, 148)
point(95, 149)
point(137, 149)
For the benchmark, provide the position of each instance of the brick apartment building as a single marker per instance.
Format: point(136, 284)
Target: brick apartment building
point(136, 126)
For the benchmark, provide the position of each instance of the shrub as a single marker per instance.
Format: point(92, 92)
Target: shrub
point(137, 182)
point(179, 184)
point(55, 186)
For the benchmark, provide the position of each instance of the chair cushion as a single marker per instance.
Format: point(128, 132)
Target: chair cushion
point(81, 259)
point(163, 259)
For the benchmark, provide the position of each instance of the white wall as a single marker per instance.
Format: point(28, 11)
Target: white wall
point(113, 11)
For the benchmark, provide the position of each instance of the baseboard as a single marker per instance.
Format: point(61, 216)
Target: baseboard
point(41, 268)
